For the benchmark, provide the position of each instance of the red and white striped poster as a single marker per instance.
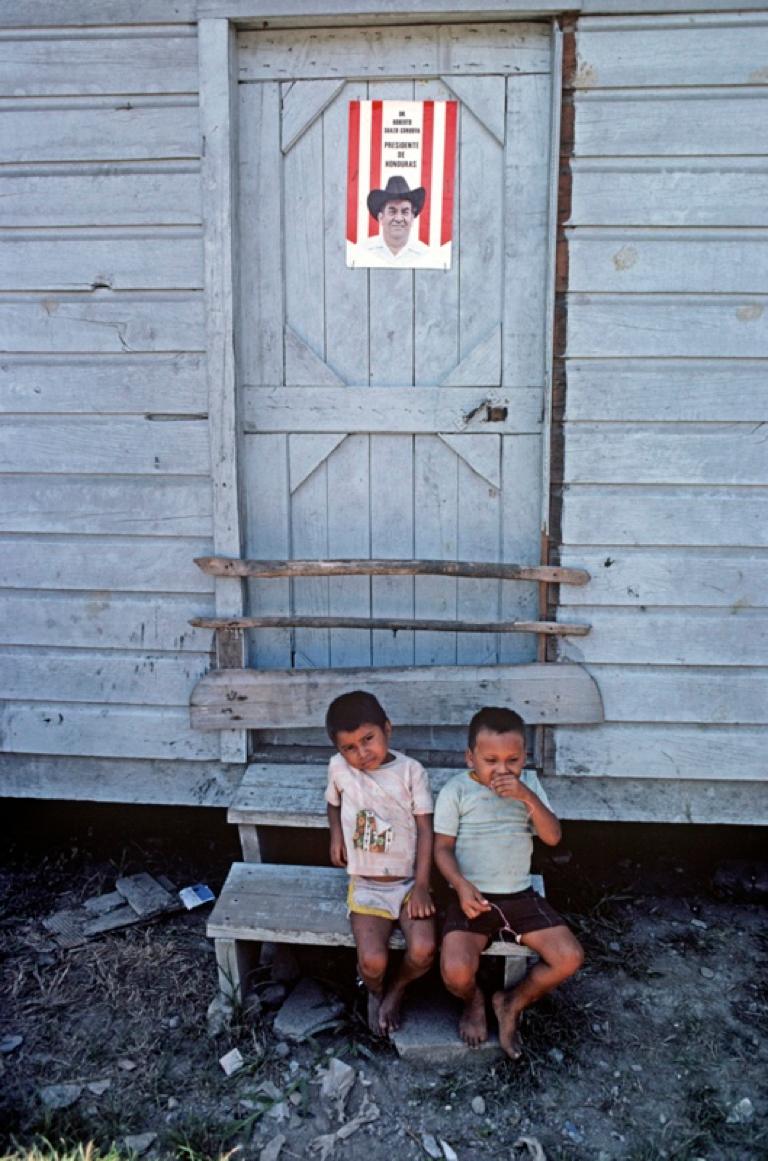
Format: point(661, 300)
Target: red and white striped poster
point(400, 183)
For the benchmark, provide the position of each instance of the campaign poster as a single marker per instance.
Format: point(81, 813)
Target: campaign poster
point(400, 184)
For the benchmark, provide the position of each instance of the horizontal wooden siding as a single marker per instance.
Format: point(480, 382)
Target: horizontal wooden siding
point(665, 489)
point(104, 444)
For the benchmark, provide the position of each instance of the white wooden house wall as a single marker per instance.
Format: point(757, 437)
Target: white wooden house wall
point(666, 459)
point(105, 473)
point(106, 494)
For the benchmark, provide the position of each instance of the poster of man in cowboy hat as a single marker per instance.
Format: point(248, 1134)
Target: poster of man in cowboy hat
point(402, 216)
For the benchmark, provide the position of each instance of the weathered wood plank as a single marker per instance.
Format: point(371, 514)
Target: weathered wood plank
point(435, 537)
point(551, 628)
point(100, 129)
point(623, 515)
point(519, 533)
point(349, 532)
point(625, 122)
point(659, 799)
point(552, 574)
point(149, 506)
point(96, 731)
point(116, 779)
point(665, 453)
point(252, 906)
point(268, 530)
point(389, 410)
point(676, 576)
point(694, 191)
point(659, 325)
point(123, 564)
point(101, 620)
point(261, 298)
point(694, 49)
point(63, 13)
point(165, 193)
point(154, 384)
point(666, 389)
point(124, 259)
point(392, 529)
point(128, 321)
point(654, 261)
point(218, 121)
point(296, 797)
point(671, 637)
point(419, 51)
point(526, 228)
point(99, 676)
point(648, 750)
point(117, 60)
point(711, 695)
point(423, 695)
point(97, 444)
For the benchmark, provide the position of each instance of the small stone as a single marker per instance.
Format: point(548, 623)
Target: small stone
point(431, 1147)
point(271, 1150)
point(557, 1055)
point(478, 1105)
point(60, 1096)
point(10, 1044)
point(449, 1153)
point(172, 1103)
point(741, 1112)
point(174, 1021)
point(98, 1087)
point(140, 1142)
point(219, 1015)
point(231, 1061)
point(614, 946)
point(307, 1010)
point(273, 995)
point(707, 973)
point(126, 1064)
point(699, 923)
point(570, 1130)
point(282, 1050)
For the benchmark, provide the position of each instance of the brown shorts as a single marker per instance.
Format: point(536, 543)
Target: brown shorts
point(523, 912)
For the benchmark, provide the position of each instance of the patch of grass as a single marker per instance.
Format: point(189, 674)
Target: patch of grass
point(45, 1150)
point(202, 1139)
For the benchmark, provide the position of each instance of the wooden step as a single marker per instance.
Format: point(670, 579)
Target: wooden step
point(276, 903)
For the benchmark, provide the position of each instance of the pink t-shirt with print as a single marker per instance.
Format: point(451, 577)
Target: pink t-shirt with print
point(378, 813)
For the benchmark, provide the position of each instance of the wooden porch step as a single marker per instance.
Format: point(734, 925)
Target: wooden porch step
point(269, 902)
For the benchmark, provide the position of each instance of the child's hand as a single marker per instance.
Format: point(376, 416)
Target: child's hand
point(508, 786)
point(420, 905)
point(473, 902)
point(338, 852)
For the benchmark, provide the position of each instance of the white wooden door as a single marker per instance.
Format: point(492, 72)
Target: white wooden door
point(392, 413)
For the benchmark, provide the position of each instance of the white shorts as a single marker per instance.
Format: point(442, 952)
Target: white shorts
point(377, 897)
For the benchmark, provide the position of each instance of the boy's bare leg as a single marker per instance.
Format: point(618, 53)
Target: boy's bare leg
point(459, 961)
point(419, 955)
point(561, 955)
point(372, 934)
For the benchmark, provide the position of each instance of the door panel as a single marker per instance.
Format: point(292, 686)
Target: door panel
point(365, 394)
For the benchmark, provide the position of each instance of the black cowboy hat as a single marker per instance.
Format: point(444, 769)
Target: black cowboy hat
point(397, 191)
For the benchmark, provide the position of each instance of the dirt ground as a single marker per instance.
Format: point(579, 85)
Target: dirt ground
point(656, 1050)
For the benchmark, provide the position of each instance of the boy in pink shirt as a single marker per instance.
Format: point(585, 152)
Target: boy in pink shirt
point(380, 817)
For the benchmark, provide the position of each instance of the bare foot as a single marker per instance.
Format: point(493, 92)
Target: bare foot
point(374, 1007)
point(389, 1012)
point(473, 1027)
point(509, 1034)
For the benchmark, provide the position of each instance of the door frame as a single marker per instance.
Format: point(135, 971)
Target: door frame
point(220, 22)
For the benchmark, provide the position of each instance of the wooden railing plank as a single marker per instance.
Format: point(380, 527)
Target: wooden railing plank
point(546, 574)
point(550, 628)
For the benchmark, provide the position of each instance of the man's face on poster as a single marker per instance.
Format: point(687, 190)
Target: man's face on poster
point(396, 220)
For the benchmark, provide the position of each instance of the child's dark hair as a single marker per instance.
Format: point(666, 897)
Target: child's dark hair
point(350, 711)
point(498, 720)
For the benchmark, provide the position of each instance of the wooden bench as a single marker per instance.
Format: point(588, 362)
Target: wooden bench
point(298, 905)
point(288, 904)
